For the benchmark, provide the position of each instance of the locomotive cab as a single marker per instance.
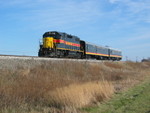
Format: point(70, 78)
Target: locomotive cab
point(49, 39)
point(48, 46)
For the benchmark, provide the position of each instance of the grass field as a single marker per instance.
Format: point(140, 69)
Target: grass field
point(136, 100)
point(28, 86)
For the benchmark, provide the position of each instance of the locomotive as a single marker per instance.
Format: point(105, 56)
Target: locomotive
point(62, 45)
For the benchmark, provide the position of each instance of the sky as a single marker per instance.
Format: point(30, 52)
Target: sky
point(121, 24)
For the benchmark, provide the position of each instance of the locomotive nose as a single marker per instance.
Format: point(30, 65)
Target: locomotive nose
point(48, 42)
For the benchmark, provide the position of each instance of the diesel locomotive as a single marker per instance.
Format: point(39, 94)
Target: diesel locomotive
point(62, 45)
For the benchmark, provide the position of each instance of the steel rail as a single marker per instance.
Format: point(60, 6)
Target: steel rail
point(23, 57)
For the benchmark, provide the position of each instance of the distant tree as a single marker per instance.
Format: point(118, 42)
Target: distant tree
point(146, 60)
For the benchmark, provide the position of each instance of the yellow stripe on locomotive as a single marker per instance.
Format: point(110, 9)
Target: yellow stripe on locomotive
point(48, 42)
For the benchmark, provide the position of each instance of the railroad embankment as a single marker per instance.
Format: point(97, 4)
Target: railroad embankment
point(135, 100)
point(33, 86)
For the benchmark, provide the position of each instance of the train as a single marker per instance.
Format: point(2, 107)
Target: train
point(62, 45)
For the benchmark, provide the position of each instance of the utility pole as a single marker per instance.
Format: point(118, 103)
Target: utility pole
point(126, 58)
point(136, 58)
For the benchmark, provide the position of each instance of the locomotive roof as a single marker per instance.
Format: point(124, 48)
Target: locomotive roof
point(106, 47)
point(56, 32)
point(115, 49)
point(53, 32)
point(61, 33)
point(96, 45)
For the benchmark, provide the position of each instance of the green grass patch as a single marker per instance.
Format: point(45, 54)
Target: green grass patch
point(135, 100)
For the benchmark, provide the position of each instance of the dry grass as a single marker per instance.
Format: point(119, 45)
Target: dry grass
point(33, 86)
point(79, 95)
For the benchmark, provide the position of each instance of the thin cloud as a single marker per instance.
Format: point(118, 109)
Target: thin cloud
point(113, 1)
point(57, 14)
point(139, 46)
point(142, 37)
point(8, 3)
point(134, 10)
point(129, 15)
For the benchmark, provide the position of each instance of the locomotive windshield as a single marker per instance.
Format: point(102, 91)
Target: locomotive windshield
point(52, 34)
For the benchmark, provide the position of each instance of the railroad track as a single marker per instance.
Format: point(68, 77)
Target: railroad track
point(47, 59)
point(26, 57)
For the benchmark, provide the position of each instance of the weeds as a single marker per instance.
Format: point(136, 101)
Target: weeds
point(64, 86)
point(79, 95)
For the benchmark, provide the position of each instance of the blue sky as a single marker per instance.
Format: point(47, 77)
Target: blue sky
point(122, 24)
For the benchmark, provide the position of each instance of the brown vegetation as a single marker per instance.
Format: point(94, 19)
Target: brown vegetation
point(65, 86)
